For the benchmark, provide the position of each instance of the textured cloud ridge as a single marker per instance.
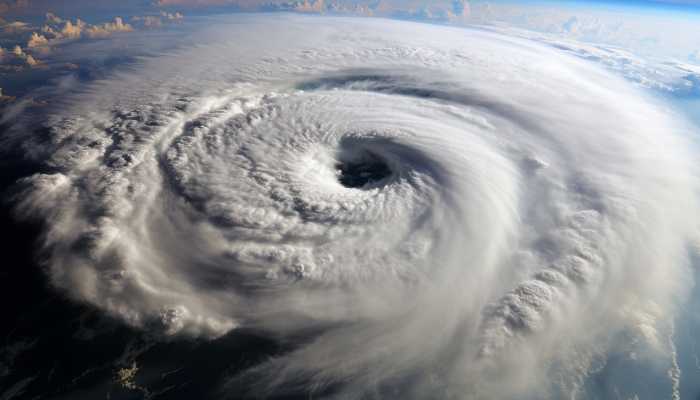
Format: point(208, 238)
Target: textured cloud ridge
point(452, 213)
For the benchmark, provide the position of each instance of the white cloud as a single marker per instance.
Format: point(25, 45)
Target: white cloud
point(172, 16)
point(16, 27)
point(17, 59)
point(37, 40)
point(199, 192)
point(157, 21)
point(58, 30)
point(72, 31)
point(148, 21)
point(661, 74)
point(108, 28)
point(657, 34)
point(53, 18)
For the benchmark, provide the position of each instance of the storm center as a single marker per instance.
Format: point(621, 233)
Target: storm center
point(362, 170)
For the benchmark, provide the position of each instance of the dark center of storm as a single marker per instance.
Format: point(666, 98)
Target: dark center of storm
point(362, 170)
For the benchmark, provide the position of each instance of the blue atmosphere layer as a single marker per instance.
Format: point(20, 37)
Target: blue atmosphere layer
point(677, 6)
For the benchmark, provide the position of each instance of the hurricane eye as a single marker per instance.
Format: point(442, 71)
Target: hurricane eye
point(361, 170)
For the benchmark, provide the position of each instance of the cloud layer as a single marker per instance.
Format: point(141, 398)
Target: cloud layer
point(436, 212)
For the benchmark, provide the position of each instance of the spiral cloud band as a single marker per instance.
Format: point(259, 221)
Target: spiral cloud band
point(452, 212)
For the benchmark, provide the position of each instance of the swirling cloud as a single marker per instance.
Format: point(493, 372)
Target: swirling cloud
point(436, 212)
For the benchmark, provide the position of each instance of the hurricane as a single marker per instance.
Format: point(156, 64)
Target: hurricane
point(417, 211)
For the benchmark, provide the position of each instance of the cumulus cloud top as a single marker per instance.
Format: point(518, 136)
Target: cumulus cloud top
point(450, 212)
point(108, 28)
point(155, 21)
point(37, 40)
point(36, 46)
point(58, 29)
point(17, 59)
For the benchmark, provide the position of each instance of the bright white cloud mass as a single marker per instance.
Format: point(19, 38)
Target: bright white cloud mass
point(437, 212)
